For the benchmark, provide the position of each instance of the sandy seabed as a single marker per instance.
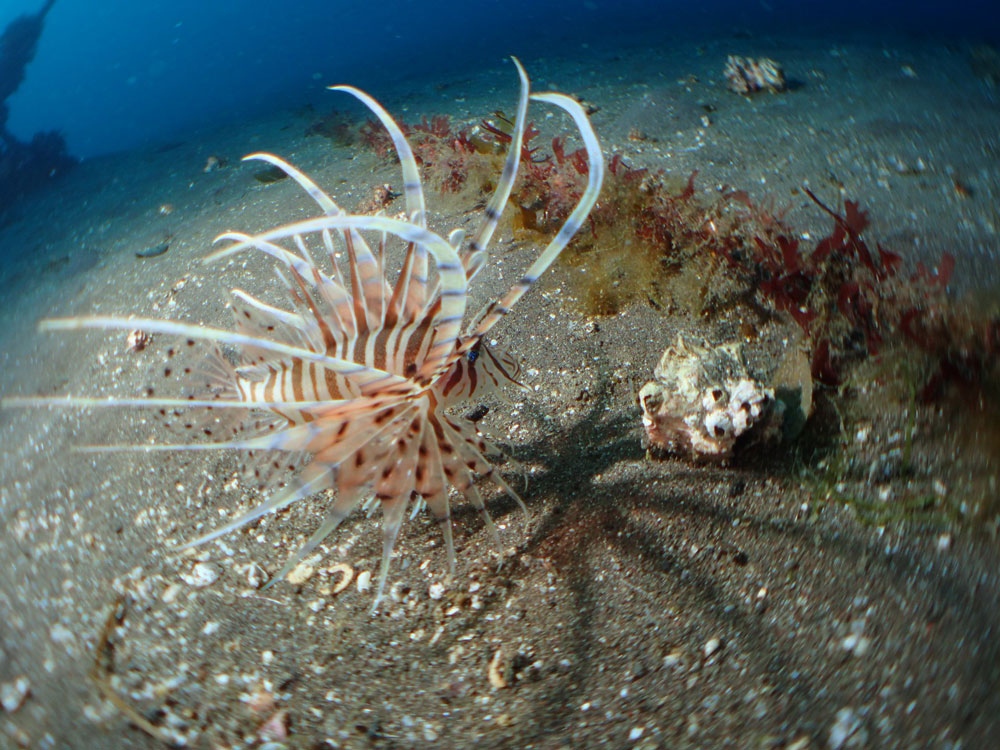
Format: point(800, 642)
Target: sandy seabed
point(646, 604)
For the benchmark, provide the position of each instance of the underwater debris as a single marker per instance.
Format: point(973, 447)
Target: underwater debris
point(336, 126)
point(214, 163)
point(153, 250)
point(137, 340)
point(703, 399)
point(748, 75)
point(380, 199)
point(270, 175)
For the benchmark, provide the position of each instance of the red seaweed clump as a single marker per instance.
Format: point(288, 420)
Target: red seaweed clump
point(654, 238)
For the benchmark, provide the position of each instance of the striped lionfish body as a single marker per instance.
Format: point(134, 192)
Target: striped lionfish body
point(359, 373)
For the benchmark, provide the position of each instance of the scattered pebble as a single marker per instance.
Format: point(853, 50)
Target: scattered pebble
point(300, 574)
point(201, 575)
point(855, 641)
point(170, 593)
point(60, 634)
point(364, 580)
point(944, 542)
point(14, 693)
point(495, 672)
point(713, 645)
point(844, 726)
point(435, 590)
point(275, 728)
point(256, 576)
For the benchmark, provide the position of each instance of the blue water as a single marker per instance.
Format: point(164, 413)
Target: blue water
point(116, 74)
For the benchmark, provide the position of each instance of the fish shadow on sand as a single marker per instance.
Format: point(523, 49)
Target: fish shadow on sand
point(645, 516)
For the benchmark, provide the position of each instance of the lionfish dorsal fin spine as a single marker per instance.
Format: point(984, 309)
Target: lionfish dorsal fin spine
point(595, 177)
point(475, 258)
point(413, 191)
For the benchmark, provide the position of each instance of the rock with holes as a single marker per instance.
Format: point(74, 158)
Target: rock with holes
point(704, 399)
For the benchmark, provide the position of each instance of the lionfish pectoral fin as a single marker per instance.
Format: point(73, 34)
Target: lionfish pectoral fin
point(476, 500)
point(502, 484)
point(276, 502)
point(449, 542)
point(323, 200)
point(393, 511)
point(342, 508)
point(441, 510)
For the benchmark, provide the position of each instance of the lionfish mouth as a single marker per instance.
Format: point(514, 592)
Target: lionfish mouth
point(358, 375)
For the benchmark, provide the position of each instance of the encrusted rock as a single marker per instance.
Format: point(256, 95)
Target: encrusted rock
point(748, 75)
point(703, 399)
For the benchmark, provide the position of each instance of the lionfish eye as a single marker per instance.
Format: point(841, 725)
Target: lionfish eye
point(473, 354)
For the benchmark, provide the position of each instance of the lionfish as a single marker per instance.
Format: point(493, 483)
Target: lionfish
point(361, 375)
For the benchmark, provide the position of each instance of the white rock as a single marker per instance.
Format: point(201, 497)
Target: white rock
point(60, 634)
point(711, 646)
point(14, 693)
point(364, 580)
point(202, 574)
point(435, 590)
point(300, 573)
point(845, 725)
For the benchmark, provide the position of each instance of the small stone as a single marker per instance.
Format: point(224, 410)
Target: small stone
point(364, 580)
point(435, 590)
point(635, 733)
point(496, 670)
point(202, 574)
point(14, 693)
point(711, 646)
point(256, 576)
point(944, 542)
point(275, 728)
point(300, 574)
point(844, 726)
point(61, 634)
point(170, 592)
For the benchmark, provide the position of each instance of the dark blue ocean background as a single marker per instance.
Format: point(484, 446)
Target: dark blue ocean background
point(113, 75)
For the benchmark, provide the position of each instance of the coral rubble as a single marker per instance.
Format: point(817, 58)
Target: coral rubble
point(748, 75)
